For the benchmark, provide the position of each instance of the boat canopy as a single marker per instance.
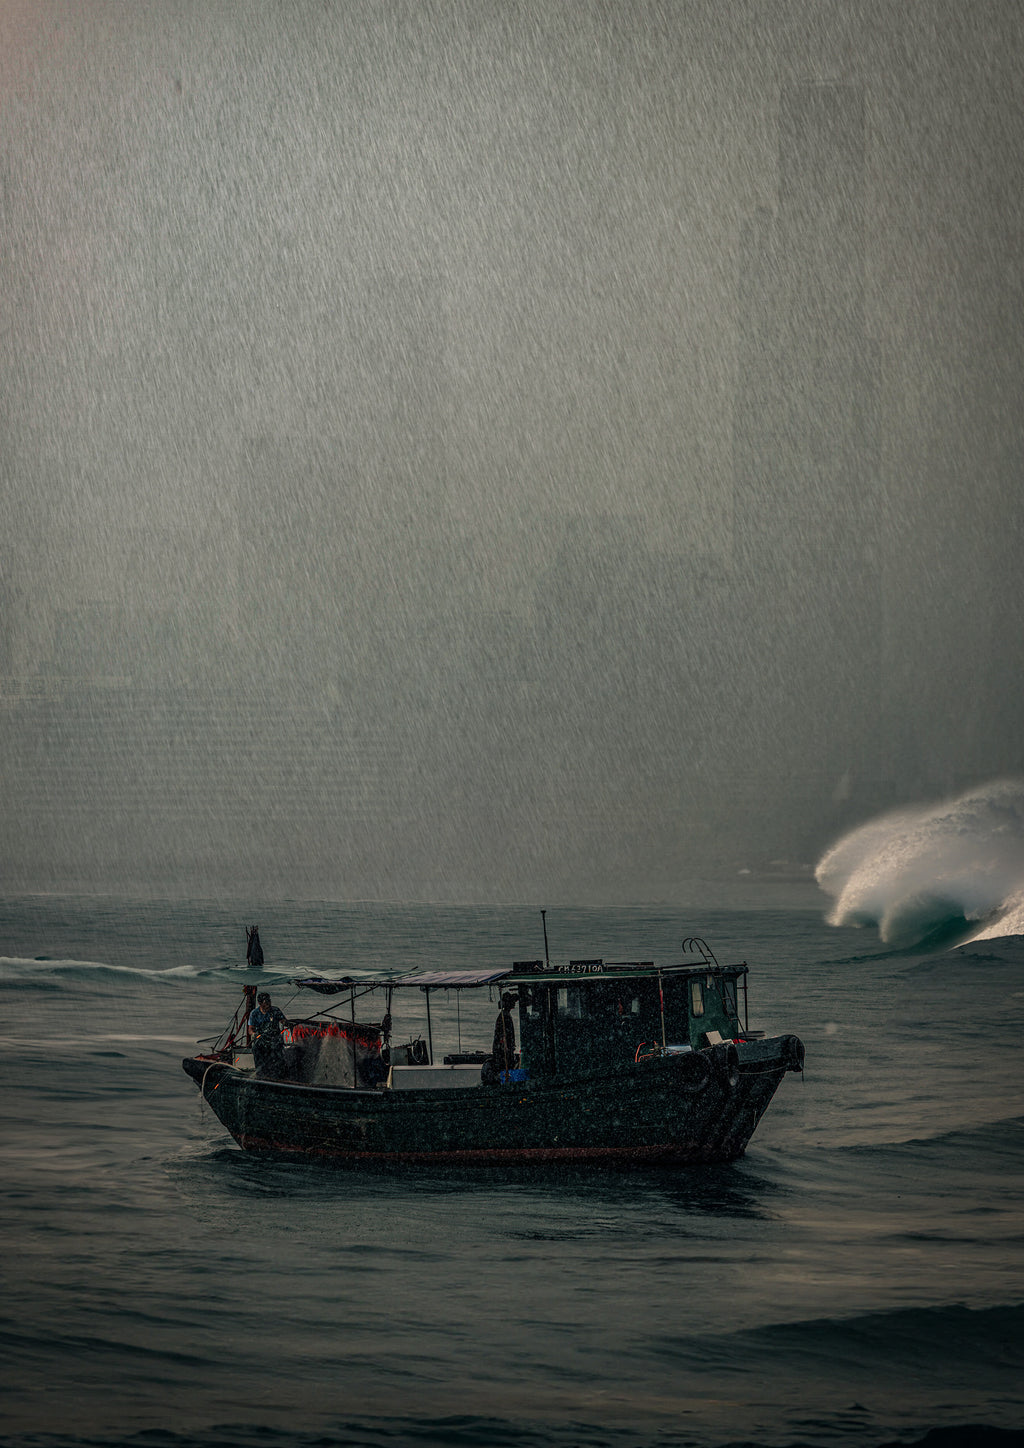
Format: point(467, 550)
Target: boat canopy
point(443, 979)
point(452, 979)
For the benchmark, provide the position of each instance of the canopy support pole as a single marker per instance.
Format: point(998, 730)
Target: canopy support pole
point(430, 1037)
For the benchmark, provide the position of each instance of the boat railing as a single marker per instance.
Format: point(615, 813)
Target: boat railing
point(694, 944)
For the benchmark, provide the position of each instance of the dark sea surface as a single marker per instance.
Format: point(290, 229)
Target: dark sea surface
point(857, 1279)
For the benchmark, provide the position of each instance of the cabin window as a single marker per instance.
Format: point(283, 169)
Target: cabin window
point(531, 999)
point(570, 1002)
point(729, 996)
point(696, 997)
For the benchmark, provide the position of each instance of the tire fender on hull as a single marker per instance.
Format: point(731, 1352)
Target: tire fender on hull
point(793, 1053)
point(727, 1065)
point(692, 1072)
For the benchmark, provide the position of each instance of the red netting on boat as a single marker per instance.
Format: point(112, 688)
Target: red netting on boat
point(366, 1036)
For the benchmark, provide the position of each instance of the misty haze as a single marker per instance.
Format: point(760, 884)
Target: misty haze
point(471, 451)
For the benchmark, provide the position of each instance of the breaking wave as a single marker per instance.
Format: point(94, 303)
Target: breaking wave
point(951, 871)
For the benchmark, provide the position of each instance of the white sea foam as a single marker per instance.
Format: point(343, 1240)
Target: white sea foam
point(21, 967)
point(919, 871)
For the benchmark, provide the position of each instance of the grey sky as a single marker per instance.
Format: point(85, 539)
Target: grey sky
point(373, 378)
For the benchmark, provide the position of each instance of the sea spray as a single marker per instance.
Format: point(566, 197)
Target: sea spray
point(954, 868)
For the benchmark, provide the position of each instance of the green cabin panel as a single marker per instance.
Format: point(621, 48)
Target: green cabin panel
point(576, 1025)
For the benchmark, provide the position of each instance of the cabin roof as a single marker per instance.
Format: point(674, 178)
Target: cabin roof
point(522, 972)
point(587, 972)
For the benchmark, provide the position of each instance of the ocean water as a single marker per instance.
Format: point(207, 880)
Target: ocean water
point(856, 1279)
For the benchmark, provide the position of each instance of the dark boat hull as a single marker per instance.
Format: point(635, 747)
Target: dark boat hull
point(696, 1107)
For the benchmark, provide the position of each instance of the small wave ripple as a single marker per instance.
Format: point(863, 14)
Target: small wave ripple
point(23, 971)
point(474, 1431)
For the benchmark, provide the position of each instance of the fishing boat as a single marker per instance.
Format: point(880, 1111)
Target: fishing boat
point(624, 1061)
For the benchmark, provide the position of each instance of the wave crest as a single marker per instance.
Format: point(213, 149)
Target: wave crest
point(956, 867)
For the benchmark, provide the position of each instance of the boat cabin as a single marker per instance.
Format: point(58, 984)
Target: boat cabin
point(592, 1015)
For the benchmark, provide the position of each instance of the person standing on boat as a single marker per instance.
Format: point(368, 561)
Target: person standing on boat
point(265, 1025)
point(503, 1050)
